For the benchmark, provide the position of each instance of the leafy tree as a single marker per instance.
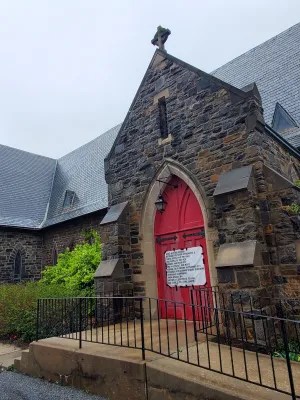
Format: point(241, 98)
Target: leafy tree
point(75, 268)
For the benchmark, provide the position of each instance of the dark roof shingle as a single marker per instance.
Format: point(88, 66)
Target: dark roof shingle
point(25, 181)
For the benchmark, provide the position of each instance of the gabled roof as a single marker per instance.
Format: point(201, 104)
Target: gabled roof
point(209, 79)
point(81, 171)
point(275, 67)
point(33, 187)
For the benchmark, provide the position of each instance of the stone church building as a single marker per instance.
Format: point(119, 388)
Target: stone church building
point(201, 161)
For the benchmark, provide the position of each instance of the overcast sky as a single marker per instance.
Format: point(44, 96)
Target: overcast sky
point(69, 69)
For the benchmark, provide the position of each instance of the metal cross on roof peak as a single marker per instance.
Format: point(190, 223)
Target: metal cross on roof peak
point(160, 37)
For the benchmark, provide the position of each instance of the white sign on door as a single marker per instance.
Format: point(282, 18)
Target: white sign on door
point(185, 267)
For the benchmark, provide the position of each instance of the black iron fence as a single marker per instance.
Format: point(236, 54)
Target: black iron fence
point(243, 343)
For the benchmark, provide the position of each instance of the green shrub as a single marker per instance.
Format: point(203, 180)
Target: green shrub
point(294, 208)
point(294, 350)
point(297, 182)
point(72, 276)
point(75, 268)
point(18, 306)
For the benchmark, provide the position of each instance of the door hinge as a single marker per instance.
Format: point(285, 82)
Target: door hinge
point(199, 233)
point(164, 239)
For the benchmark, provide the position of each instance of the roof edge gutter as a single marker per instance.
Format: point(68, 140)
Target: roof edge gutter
point(275, 135)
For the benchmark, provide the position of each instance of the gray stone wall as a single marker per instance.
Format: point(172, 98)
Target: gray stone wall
point(212, 129)
point(68, 234)
point(29, 244)
point(208, 125)
point(37, 247)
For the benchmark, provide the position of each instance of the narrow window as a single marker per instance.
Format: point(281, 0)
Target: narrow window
point(69, 199)
point(18, 266)
point(71, 245)
point(163, 121)
point(54, 256)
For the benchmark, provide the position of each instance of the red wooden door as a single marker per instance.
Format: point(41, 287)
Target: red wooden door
point(180, 226)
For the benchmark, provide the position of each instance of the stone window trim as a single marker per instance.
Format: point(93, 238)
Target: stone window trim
point(164, 93)
point(163, 117)
point(165, 141)
point(17, 262)
point(54, 255)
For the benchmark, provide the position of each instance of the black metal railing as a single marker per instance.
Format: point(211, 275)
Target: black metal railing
point(242, 343)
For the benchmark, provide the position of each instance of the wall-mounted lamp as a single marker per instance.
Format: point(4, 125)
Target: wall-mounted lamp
point(160, 204)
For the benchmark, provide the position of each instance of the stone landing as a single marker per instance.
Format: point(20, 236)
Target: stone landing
point(119, 373)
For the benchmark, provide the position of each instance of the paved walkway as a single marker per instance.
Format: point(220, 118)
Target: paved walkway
point(8, 353)
point(15, 386)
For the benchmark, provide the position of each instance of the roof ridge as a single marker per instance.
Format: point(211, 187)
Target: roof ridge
point(91, 141)
point(28, 152)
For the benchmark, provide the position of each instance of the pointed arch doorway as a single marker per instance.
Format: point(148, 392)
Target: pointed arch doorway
point(179, 227)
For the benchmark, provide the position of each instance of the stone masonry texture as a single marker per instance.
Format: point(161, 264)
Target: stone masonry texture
point(37, 247)
point(214, 129)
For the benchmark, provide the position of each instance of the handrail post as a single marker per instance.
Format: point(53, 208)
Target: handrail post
point(80, 323)
point(37, 320)
point(194, 315)
point(288, 361)
point(142, 328)
point(287, 352)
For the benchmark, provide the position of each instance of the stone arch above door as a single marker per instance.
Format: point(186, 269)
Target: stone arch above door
point(165, 173)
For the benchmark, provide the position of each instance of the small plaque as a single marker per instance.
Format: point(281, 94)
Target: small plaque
point(185, 267)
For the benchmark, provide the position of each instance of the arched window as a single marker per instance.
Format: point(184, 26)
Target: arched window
point(18, 266)
point(72, 245)
point(54, 256)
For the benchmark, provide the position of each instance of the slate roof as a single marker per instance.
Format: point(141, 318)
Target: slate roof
point(33, 187)
point(275, 68)
point(25, 182)
point(292, 135)
point(81, 171)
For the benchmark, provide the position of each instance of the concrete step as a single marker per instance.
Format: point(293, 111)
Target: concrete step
point(21, 363)
point(17, 363)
